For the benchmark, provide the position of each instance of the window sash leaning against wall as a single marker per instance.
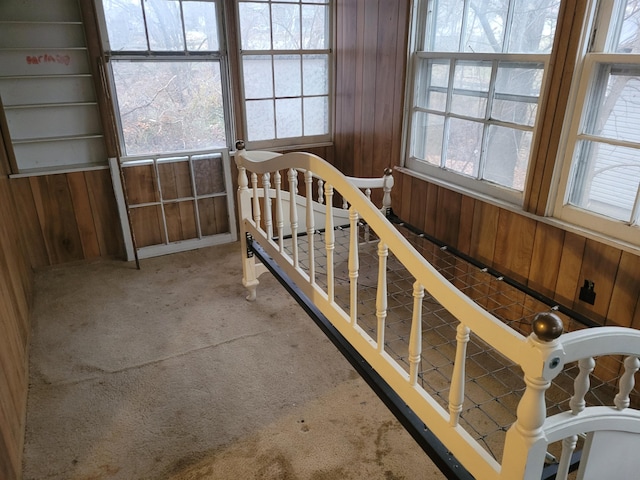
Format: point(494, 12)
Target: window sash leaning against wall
point(599, 179)
point(477, 71)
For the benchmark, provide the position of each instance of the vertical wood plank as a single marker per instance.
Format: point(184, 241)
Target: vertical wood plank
point(34, 241)
point(465, 228)
point(57, 219)
point(345, 86)
point(448, 216)
point(105, 213)
point(626, 291)
point(514, 245)
point(83, 214)
point(406, 202)
point(431, 209)
point(569, 270)
point(545, 259)
point(367, 114)
point(417, 202)
point(483, 232)
point(386, 74)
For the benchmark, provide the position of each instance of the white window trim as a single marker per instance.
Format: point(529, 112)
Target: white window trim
point(308, 141)
point(620, 233)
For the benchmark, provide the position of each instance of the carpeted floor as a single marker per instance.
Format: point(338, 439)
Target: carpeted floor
point(168, 373)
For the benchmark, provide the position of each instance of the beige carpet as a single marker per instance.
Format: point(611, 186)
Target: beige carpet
point(168, 373)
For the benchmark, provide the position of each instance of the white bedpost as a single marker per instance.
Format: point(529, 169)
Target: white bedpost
point(525, 444)
point(249, 277)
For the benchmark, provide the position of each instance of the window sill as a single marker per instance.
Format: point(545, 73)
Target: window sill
point(41, 172)
point(554, 222)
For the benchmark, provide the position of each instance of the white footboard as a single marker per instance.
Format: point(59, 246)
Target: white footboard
point(291, 230)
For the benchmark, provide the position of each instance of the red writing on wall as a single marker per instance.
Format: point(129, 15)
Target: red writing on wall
point(46, 58)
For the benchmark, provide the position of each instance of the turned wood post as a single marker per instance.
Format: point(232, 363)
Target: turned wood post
point(525, 445)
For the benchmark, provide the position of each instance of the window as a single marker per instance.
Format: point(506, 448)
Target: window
point(169, 68)
point(168, 74)
point(285, 63)
point(600, 182)
point(478, 68)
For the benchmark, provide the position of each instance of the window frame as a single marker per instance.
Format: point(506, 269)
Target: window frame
point(219, 56)
point(469, 185)
point(596, 37)
point(292, 142)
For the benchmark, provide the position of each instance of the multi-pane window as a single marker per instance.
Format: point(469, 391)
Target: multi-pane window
point(478, 70)
point(603, 177)
point(168, 74)
point(285, 59)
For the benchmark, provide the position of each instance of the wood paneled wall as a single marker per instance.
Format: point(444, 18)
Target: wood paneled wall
point(15, 296)
point(370, 76)
point(68, 217)
point(546, 258)
point(371, 46)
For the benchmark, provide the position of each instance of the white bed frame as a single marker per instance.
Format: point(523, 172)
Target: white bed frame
point(612, 431)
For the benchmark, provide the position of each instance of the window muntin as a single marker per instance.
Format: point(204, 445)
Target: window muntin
point(285, 67)
point(477, 76)
point(600, 185)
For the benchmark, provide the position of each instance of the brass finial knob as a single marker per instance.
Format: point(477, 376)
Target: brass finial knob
point(547, 326)
point(240, 145)
point(388, 171)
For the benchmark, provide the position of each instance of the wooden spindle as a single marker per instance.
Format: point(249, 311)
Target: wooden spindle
point(320, 191)
point(293, 214)
point(308, 179)
point(353, 265)
point(627, 382)
point(456, 393)
point(277, 179)
point(581, 384)
point(415, 338)
point(568, 447)
point(329, 239)
point(256, 200)
point(381, 293)
point(268, 221)
point(387, 185)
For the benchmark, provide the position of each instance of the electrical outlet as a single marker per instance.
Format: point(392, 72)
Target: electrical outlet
point(587, 294)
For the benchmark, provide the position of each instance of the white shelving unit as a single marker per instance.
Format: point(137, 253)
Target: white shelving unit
point(46, 87)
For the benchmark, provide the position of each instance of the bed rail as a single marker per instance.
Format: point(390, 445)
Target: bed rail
point(262, 200)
